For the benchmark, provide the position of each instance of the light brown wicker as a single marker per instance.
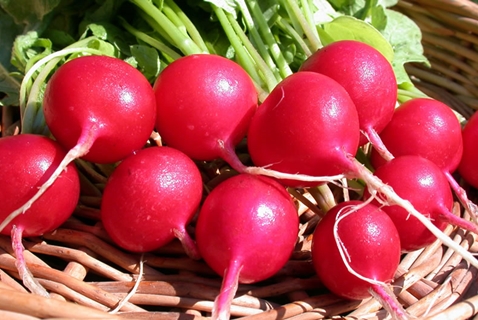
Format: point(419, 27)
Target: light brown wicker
point(88, 276)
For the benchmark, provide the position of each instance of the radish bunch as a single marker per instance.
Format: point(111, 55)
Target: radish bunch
point(306, 132)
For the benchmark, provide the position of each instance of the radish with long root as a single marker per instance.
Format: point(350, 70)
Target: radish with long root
point(429, 128)
point(150, 198)
point(356, 252)
point(368, 78)
point(303, 133)
point(305, 125)
point(423, 183)
point(99, 108)
point(246, 231)
point(26, 162)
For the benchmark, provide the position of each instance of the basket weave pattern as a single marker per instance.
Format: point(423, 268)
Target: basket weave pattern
point(78, 263)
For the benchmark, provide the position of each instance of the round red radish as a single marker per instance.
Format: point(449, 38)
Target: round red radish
point(369, 241)
point(104, 97)
point(468, 167)
point(246, 231)
point(421, 182)
point(367, 76)
point(150, 198)
point(204, 106)
point(425, 127)
point(306, 125)
point(26, 162)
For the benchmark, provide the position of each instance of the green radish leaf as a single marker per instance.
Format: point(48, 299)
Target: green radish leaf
point(27, 48)
point(28, 13)
point(406, 43)
point(10, 86)
point(147, 59)
point(350, 28)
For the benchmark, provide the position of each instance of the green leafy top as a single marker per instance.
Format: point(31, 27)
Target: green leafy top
point(269, 38)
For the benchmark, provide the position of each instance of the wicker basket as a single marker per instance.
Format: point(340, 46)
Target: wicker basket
point(89, 277)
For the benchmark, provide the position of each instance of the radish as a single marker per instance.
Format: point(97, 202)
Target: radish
point(423, 183)
point(150, 198)
point(429, 128)
point(291, 131)
point(468, 168)
point(356, 252)
point(204, 106)
point(99, 108)
point(367, 76)
point(246, 231)
point(306, 131)
point(26, 162)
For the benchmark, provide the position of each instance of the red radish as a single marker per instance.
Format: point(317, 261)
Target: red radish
point(99, 108)
point(356, 252)
point(423, 183)
point(367, 76)
point(26, 162)
point(429, 128)
point(426, 127)
point(246, 231)
point(307, 131)
point(293, 128)
point(468, 167)
point(150, 198)
point(204, 106)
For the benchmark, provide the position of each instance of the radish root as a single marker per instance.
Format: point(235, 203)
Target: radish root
point(344, 213)
point(25, 274)
point(379, 290)
point(188, 243)
point(374, 138)
point(388, 300)
point(133, 290)
point(222, 303)
point(469, 206)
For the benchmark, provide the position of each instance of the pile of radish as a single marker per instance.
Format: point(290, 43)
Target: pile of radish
point(305, 133)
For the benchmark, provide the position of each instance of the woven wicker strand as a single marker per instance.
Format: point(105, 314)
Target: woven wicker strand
point(450, 39)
